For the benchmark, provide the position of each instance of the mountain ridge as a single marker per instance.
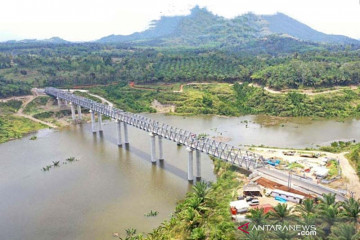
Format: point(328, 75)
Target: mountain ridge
point(54, 40)
point(203, 27)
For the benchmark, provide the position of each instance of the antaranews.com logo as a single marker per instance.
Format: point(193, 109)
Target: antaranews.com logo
point(302, 230)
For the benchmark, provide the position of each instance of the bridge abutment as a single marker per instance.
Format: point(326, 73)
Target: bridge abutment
point(190, 164)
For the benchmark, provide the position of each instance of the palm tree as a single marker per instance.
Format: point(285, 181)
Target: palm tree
point(283, 234)
point(328, 216)
point(191, 218)
point(311, 219)
point(257, 216)
point(196, 204)
point(254, 235)
point(281, 213)
point(344, 231)
point(351, 209)
point(201, 190)
point(327, 200)
point(307, 207)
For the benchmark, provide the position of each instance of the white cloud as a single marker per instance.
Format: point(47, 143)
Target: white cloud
point(82, 20)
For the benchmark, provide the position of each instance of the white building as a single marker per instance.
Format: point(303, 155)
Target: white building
point(291, 197)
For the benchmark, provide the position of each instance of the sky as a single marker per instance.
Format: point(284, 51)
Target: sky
point(87, 20)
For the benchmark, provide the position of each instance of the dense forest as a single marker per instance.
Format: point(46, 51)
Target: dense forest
point(70, 65)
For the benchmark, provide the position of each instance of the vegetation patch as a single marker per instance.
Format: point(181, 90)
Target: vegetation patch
point(86, 95)
point(354, 157)
point(58, 163)
point(36, 105)
point(12, 127)
point(151, 214)
point(9, 107)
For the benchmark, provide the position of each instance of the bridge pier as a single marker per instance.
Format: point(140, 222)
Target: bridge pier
point(153, 151)
point(161, 157)
point(126, 141)
point(118, 124)
point(92, 121)
point(198, 164)
point(58, 102)
point(79, 112)
point(72, 111)
point(100, 122)
point(190, 164)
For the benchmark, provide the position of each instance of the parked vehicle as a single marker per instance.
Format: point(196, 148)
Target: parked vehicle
point(240, 198)
point(272, 162)
point(254, 202)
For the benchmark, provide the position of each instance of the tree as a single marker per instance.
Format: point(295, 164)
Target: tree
point(327, 200)
point(257, 216)
point(344, 231)
point(281, 213)
point(351, 209)
point(307, 207)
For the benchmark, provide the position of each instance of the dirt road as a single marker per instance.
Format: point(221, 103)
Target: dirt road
point(349, 172)
point(21, 114)
point(309, 92)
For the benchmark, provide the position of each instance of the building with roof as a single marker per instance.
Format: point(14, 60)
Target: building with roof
point(292, 197)
point(252, 189)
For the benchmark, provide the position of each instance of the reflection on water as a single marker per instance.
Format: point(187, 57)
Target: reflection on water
point(110, 188)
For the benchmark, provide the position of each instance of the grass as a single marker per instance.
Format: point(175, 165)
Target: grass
point(233, 100)
point(333, 167)
point(195, 99)
point(295, 165)
point(354, 157)
point(86, 95)
point(36, 105)
point(339, 146)
point(9, 107)
point(12, 127)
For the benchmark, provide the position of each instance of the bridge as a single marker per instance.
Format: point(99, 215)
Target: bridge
point(194, 142)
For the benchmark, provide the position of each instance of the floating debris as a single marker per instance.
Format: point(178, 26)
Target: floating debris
point(151, 214)
point(33, 138)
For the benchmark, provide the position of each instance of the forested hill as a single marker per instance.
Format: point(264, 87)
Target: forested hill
point(202, 28)
point(283, 24)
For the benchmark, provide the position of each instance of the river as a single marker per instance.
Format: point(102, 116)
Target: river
point(110, 189)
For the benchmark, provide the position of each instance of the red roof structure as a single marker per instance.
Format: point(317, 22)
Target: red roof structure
point(266, 207)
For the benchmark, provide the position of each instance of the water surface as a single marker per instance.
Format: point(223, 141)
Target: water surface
point(110, 189)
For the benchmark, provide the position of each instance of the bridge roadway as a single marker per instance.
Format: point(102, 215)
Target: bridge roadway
point(242, 158)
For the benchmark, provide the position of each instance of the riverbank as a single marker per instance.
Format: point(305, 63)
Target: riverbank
point(14, 127)
point(232, 100)
point(23, 115)
point(300, 159)
point(204, 212)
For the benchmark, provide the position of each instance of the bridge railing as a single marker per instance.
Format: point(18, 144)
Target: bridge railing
point(235, 155)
